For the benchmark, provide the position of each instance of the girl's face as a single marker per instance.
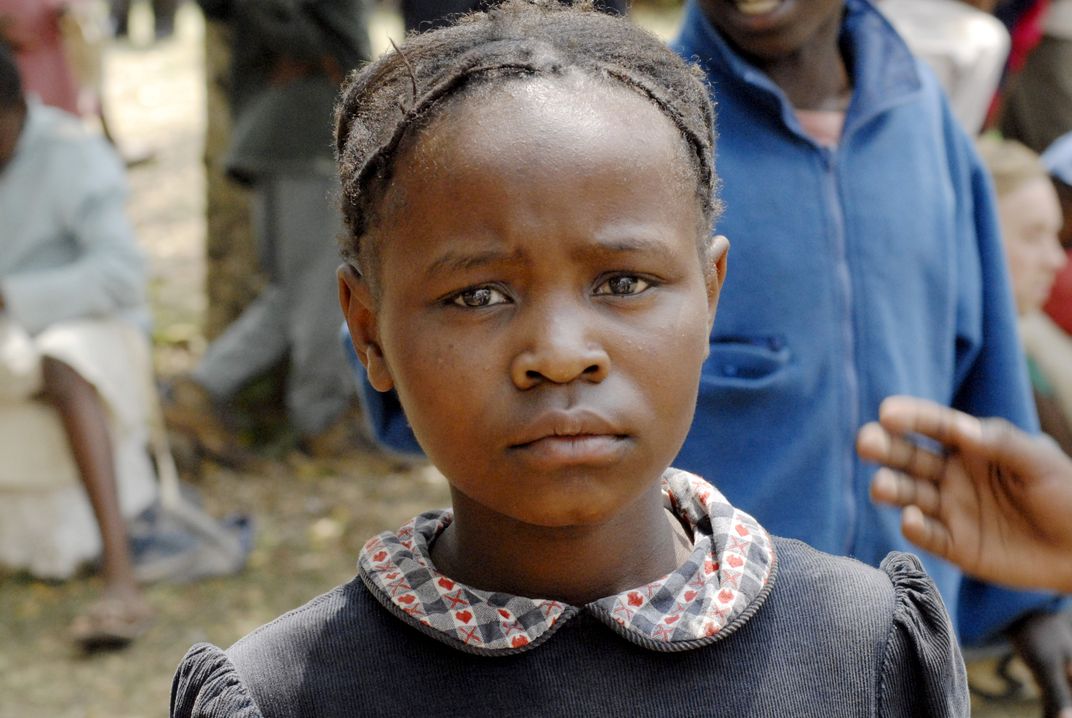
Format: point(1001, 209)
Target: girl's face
point(1030, 222)
point(543, 310)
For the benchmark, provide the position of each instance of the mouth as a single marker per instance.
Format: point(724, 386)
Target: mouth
point(572, 439)
point(577, 450)
point(756, 7)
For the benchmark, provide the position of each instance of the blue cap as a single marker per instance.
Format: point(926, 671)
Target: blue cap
point(1058, 158)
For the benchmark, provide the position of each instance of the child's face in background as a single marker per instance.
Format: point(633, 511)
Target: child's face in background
point(543, 309)
point(773, 29)
point(1030, 222)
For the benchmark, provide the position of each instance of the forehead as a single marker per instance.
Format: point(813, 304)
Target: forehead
point(564, 157)
point(1032, 204)
point(529, 129)
point(525, 122)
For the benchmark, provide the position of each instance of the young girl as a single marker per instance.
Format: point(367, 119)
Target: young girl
point(529, 196)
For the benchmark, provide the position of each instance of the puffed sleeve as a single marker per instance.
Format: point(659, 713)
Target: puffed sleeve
point(206, 685)
point(922, 670)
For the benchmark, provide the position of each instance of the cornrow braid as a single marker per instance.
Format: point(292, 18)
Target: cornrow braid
point(391, 98)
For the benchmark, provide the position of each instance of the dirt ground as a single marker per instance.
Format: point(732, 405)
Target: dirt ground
point(310, 517)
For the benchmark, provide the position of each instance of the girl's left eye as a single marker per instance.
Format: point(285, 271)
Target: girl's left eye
point(478, 297)
point(623, 285)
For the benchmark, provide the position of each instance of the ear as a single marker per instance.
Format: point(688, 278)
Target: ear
point(359, 309)
point(716, 274)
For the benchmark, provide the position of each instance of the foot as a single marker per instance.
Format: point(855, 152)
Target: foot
point(113, 622)
point(190, 411)
point(345, 436)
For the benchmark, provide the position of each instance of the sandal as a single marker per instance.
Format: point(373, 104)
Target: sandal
point(110, 623)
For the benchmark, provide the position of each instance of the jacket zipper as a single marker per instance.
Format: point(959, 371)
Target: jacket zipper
point(848, 338)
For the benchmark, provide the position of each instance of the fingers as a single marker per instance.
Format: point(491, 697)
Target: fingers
point(908, 415)
point(898, 489)
point(925, 532)
point(876, 443)
point(920, 500)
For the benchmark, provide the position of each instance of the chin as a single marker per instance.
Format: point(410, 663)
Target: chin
point(564, 512)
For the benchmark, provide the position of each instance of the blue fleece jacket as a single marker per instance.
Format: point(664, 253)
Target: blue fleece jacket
point(869, 269)
point(872, 269)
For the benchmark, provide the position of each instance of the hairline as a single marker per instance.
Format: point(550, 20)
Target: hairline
point(369, 250)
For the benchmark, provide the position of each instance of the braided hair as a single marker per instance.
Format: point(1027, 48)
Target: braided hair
point(391, 99)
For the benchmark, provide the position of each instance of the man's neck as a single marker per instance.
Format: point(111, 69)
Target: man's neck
point(815, 77)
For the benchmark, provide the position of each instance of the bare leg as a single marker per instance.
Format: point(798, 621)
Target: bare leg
point(86, 424)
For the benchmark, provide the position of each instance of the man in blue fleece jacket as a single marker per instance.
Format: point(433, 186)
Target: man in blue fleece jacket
point(868, 263)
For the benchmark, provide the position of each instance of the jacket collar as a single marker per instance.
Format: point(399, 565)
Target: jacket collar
point(724, 582)
point(885, 73)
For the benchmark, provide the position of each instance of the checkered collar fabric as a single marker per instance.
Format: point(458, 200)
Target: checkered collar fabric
point(725, 580)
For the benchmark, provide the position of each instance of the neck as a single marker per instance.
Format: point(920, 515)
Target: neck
point(572, 564)
point(815, 77)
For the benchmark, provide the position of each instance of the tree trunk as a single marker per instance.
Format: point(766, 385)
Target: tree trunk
point(233, 275)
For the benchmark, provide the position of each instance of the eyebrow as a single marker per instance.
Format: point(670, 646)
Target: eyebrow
point(453, 261)
point(630, 244)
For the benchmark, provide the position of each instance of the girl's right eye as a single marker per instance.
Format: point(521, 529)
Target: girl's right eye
point(478, 297)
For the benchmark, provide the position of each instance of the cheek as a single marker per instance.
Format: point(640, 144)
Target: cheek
point(1016, 259)
point(673, 354)
point(439, 374)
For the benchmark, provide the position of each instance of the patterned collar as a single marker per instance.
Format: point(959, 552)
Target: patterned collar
point(725, 580)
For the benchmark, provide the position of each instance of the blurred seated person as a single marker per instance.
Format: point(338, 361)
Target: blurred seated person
point(1031, 220)
point(73, 350)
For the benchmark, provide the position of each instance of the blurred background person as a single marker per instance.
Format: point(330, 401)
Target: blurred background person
point(288, 58)
point(963, 43)
point(58, 45)
point(1038, 104)
point(1058, 160)
point(422, 15)
point(32, 28)
point(1031, 219)
point(73, 346)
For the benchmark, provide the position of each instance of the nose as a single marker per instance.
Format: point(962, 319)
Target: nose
point(1057, 256)
point(560, 347)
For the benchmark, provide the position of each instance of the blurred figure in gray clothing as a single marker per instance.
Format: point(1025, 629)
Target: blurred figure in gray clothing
point(289, 57)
